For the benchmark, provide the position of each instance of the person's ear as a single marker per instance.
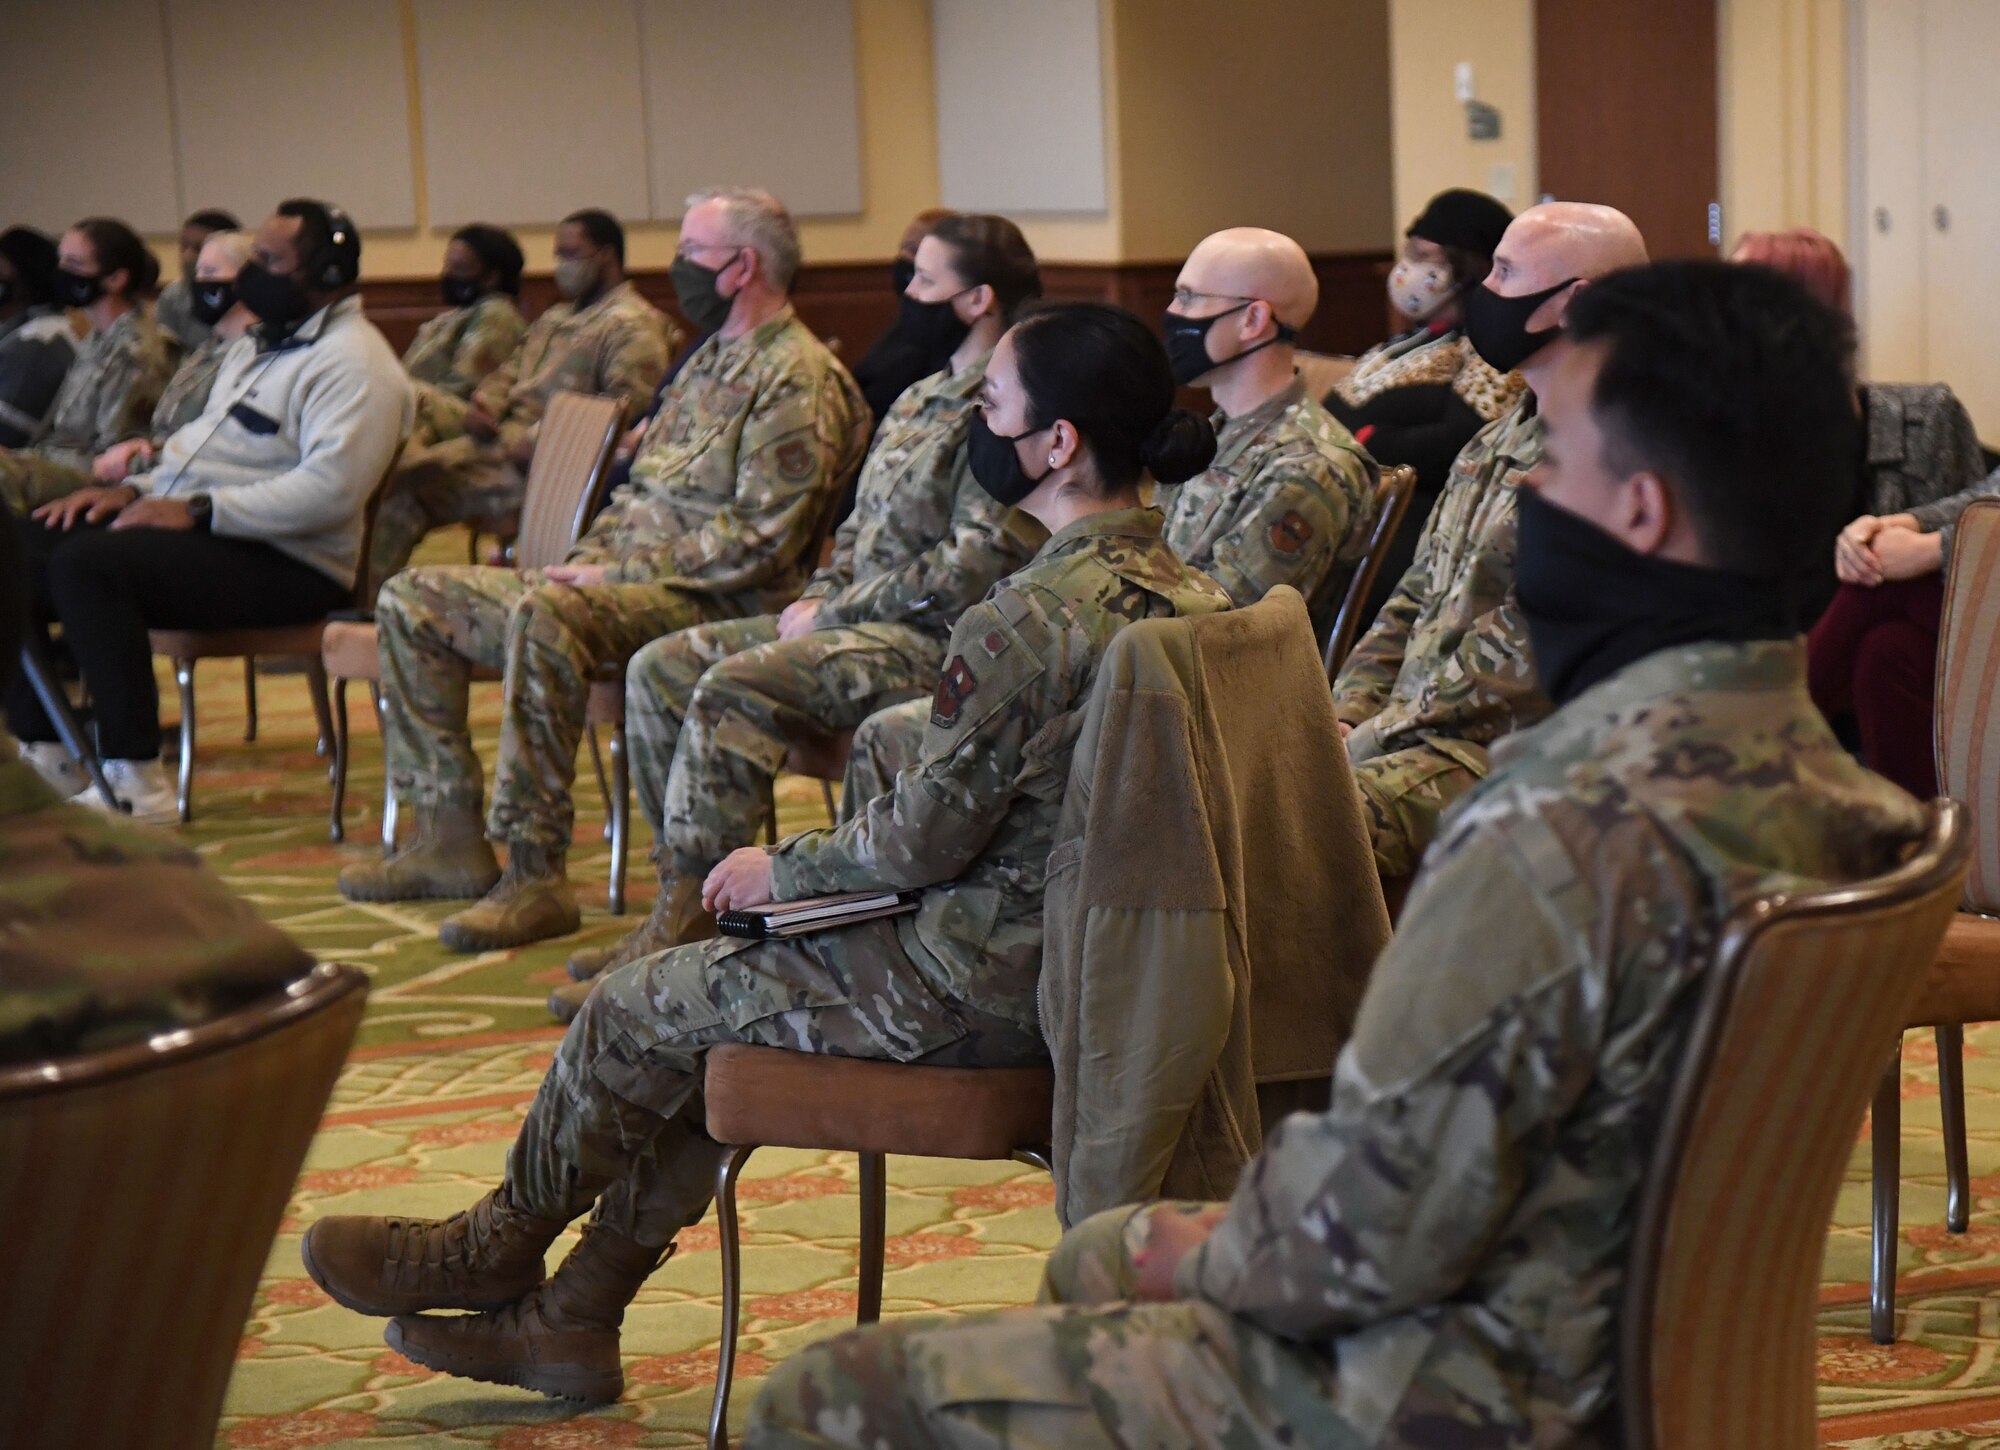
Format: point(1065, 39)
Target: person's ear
point(1648, 513)
point(1256, 317)
point(1065, 444)
point(117, 282)
point(978, 302)
point(1545, 318)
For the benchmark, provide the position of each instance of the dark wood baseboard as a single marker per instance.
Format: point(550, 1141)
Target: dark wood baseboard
point(851, 302)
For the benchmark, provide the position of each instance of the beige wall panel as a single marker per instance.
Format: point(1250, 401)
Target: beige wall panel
point(84, 124)
point(1020, 105)
point(1428, 41)
point(531, 110)
point(272, 101)
point(790, 123)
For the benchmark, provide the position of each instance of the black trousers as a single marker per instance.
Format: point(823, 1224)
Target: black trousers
point(108, 588)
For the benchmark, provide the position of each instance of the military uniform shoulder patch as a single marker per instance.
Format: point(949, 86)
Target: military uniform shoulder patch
point(955, 687)
point(795, 459)
point(1290, 533)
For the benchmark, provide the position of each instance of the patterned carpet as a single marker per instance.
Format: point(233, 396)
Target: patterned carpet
point(454, 1046)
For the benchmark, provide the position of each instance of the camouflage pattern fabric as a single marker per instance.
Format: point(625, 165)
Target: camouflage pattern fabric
point(106, 397)
point(454, 353)
point(114, 931)
point(975, 818)
point(173, 314)
point(752, 441)
point(618, 1118)
point(1289, 499)
point(187, 391)
point(1438, 1258)
point(619, 345)
point(923, 543)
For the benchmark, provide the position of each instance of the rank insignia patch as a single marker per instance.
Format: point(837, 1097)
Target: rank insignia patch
point(955, 687)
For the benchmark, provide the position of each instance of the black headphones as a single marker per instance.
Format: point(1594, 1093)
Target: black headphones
point(338, 262)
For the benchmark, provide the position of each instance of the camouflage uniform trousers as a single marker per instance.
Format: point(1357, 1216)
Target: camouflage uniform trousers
point(711, 711)
point(438, 622)
point(454, 482)
point(1404, 793)
point(619, 1117)
point(884, 744)
point(29, 479)
point(1085, 1368)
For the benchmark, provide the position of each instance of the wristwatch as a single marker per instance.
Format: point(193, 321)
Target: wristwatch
point(201, 508)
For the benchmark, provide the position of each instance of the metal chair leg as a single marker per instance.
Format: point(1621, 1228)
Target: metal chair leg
point(733, 1159)
point(322, 716)
point(336, 826)
point(1037, 1157)
point(1951, 1095)
point(48, 689)
point(771, 823)
point(603, 786)
point(832, 808)
point(621, 817)
point(1886, 1130)
point(874, 1226)
point(184, 679)
point(388, 785)
point(249, 699)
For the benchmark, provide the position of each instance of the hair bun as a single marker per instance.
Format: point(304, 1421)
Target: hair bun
point(1182, 445)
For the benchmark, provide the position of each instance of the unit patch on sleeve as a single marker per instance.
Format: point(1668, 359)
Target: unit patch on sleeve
point(1290, 533)
point(955, 687)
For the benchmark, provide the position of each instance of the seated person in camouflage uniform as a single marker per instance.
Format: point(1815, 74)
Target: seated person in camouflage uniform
point(37, 340)
point(1076, 408)
point(480, 328)
point(106, 273)
point(175, 314)
point(1438, 1259)
point(1444, 670)
point(1290, 496)
point(757, 435)
point(470, 459)
point(710, 711)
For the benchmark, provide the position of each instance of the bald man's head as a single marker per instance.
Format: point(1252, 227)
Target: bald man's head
point(1250, 262)
point(1559, 240)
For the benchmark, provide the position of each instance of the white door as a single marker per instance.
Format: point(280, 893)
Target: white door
point(1889, 225)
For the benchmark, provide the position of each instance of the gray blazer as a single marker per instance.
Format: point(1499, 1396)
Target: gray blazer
point(1923, 457)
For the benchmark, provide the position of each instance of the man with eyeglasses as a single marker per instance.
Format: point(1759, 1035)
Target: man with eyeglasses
point(469, 460)
point(756, 436)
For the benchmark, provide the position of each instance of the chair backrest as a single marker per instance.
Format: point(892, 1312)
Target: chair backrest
point(365, 583)
point(1968, 683)
point(1803, 1004)
point(1392, 501)
point(144, 1186)
point(566, 476)
point(1321, 372)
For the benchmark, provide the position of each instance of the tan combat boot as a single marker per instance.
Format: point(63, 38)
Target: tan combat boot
point(561, 1339)
point(450, 858)
point(677, 917)
point(534, 901)
point(486, 1256)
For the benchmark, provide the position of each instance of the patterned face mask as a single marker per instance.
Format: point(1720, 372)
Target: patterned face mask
point(1419, 289)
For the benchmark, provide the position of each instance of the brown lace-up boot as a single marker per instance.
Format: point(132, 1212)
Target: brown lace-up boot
point(560, 1339)
point(676, 917)
point(488, 1255)
point(534, 901)
point(449, 859)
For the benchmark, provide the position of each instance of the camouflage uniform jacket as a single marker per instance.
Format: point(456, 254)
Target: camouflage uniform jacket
point(109, 392)
point(455, 351)
point(173, 314)
point(1288, 499)
point(924, 541)
point(618, 345)
point(1459, 1218)
point(1447, 658)
point(976, 817)
point(753, 441)
point(186, 395)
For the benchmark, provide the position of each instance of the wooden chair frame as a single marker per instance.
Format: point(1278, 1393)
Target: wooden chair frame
point(1392, 502)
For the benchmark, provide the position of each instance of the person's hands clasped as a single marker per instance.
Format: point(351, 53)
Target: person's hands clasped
point(1856, 559)
point(118, 462)
point(798, 618)
point(577, 576)
point(740, 879)
point(154, 513)
point(1171, 1235)
point(1902, 553)
point(89, 505)
point(480, 423)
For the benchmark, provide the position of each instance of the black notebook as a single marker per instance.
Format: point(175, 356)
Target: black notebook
point(815, 913)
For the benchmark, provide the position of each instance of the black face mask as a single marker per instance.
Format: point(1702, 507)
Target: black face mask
point(902, 272)
point(932, 328)
point(1498, 326)
point(694, 289)
point(6, 291)
point(996, 465)
point(458, 291)
point(1187, 343)
point(73, 289)
point(1593, 606)
point(210, 300)
point(275, 297)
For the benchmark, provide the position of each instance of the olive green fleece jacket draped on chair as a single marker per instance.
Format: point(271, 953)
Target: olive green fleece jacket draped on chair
point(1212, 908)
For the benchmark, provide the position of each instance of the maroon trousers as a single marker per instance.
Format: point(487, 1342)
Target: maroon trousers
point(1874, 652)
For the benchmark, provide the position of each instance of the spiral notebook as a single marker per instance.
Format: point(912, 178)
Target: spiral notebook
point(814, 913)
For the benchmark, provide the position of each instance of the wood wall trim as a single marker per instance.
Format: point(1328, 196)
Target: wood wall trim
point(851, 302)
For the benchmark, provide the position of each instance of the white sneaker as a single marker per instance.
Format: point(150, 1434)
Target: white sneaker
point(54, 765)
point(145, 785)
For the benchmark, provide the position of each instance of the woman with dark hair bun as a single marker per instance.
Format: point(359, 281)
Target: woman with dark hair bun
point(104, 274)
point(480, 328)
point(1077, 409)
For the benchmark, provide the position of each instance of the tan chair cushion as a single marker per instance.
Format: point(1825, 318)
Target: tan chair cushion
point(215, 644)
point(1964, 981)
point(349, 651)
point(770, 1097)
